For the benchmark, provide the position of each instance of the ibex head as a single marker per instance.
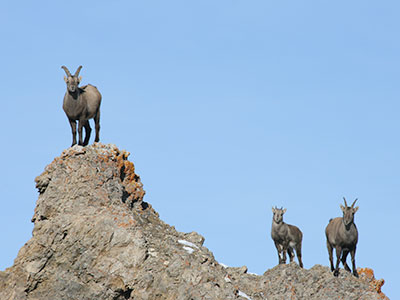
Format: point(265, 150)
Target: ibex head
point(72, 81)
point(348, 212)
point(278, 214)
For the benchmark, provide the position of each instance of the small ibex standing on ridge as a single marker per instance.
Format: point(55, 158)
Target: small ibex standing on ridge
point(81, 104)
point(342, 234)
point(286, 237)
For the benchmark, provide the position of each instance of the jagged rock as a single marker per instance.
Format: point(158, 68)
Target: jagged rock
point(375, 284)
point(95, 238)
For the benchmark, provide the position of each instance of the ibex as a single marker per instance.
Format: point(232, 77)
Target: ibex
point(342, 234)
point(81, 104)
point(286, 237)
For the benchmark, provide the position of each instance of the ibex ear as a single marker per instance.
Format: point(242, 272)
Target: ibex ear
point(273, 209)
point(342, 208)
point(65, 79)
point(80, 78)
point(355, 209)
point(284, 210)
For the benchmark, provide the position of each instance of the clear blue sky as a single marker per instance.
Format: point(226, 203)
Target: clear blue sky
point(227, 107)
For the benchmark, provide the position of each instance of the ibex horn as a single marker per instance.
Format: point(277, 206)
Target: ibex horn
point(352, 206)
point(77, 71)
point(66, 71)
point(345, 202)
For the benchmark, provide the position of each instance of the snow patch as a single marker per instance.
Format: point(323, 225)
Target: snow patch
point(186, 243)
point(188, 246)
point(225, 266)
point(241, 294)
point(250, 273)
point(188, 249)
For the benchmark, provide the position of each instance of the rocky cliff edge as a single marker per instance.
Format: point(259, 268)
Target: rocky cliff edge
point(95, 238)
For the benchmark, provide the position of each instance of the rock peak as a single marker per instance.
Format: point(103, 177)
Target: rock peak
point(94, 237)
point(83, 178)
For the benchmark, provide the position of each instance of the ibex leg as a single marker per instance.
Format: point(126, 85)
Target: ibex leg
point(298, 252)
point(88, 130)
point(284, 250)
point(279, 249)
point(80, 134)
point(338, 254)
point(97, 125)
point(353, 261)
point(73, 129)
point(291, 253)
point(330, 250)
point(344, 257)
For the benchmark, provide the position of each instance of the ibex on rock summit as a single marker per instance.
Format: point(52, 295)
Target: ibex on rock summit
point(286, 237)
point(81, 104)
point(342, 234)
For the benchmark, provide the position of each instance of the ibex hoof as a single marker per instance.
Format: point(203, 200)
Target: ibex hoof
point(355, 274)
point(336, 273)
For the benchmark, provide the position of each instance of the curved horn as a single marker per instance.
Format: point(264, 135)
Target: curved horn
point(77, 71)
point(345, 202)
point(66, 71)
point(352, 206)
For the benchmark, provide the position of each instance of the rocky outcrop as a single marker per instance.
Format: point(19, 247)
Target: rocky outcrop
point(95, 238)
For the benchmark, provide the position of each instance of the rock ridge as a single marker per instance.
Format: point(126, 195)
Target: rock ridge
point(95, 237)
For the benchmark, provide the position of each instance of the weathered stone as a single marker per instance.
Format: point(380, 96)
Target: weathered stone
point(95, 238)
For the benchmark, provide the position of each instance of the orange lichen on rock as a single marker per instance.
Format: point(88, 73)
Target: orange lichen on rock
point(110, 154)
point(130, 179)
point(375, 284)
point(130, 223)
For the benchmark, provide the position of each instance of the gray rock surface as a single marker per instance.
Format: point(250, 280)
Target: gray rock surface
point(95, 238)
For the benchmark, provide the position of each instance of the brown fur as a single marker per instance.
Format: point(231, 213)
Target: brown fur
point(81, 104)
point(342, 234)
point(286, 237)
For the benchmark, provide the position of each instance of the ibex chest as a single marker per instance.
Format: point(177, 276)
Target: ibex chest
point(350, 235)
point(279, 232)
point(74, 108)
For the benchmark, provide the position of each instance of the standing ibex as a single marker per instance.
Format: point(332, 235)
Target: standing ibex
point(286, 237)
point(81, 104)
point(342, 234)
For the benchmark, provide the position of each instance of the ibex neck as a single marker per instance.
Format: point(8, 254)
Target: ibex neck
point(74, 95)
point(274, 223)
point(348, 226)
